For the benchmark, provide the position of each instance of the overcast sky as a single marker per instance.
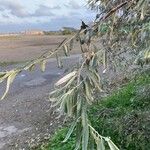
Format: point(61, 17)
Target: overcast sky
point(20, 15)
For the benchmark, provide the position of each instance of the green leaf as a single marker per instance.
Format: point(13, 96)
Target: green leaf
point(147, 55)
point(69, 104)
point(99, 55)
point(3, 76)
point(91, 142)
point(97, 139)
point(112, 146)
point(30, 67)
point(70, 82)
point(10, 79)
point(65, 98)
point(43, 65)
point(105, 59)
point(88, 91)
point(79, 106)
point(66, 51)
point(71, 44)
point(78, 135)
point(55, 93)
point(94, 77)
point(93, 62)
point(70, 130)
point(66, 78)
point(102, 144)
point(85, 130)
point(59, 62)
point(63, 105)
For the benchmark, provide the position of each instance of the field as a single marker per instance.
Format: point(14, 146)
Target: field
point(15, 49)
point(26, 108)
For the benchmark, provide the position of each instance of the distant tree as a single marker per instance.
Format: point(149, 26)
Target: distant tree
point(68, 30)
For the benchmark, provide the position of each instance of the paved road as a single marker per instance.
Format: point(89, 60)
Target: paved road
point(26, 115)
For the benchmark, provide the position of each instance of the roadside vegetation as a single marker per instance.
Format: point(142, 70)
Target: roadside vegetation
point(64, 31)
point(5, 64)
point(124, 116)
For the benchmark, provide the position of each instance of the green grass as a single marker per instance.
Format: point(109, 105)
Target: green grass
point(124, 116)
point(55, 142)
point(10, 37)
point(5, 63)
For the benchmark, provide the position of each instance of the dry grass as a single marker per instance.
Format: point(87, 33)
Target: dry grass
point(23, 48)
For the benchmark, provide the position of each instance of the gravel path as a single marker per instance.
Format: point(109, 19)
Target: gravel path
point(26, 116)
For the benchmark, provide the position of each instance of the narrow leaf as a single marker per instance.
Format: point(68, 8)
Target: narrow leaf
point(32, 67)
point(43, 65)
point(78, 135)
point(3, 76)
point(70, 130)
point(10, 79)
point(65, 78)
point(88, 92)
point(95, 79)
point(85, 131)
point(105, 59)
point(112, 146)
point(66, 51)
point(59, 62)
point(100, 144)
point(71, 44)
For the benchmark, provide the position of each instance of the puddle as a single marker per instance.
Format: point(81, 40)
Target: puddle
point(50, 77)
point(2, 134)
point(5, 131)
point(2, 145)
point(22, 75)
point(35, 82)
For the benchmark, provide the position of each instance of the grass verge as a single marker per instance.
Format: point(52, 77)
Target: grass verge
point(5, 64)
point(124, 116)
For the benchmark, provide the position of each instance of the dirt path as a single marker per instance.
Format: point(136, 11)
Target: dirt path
point(23, 48)
point(26, 116)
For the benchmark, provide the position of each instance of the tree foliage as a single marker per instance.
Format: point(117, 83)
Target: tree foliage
point(123, 28)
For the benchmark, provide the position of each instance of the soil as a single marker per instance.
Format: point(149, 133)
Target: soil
point(23, 48)
point(26, 115)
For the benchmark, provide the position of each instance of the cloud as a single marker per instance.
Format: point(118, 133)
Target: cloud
point(19, 15)
point(15, 9)
point(5, 16)
point(2, 9)
point(43, 11)
point(72, 4)
point(56, 7)
point(55, 23)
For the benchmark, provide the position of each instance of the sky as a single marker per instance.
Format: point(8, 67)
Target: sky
point(21, 15)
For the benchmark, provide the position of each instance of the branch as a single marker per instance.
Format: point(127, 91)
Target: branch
point(113, 10)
